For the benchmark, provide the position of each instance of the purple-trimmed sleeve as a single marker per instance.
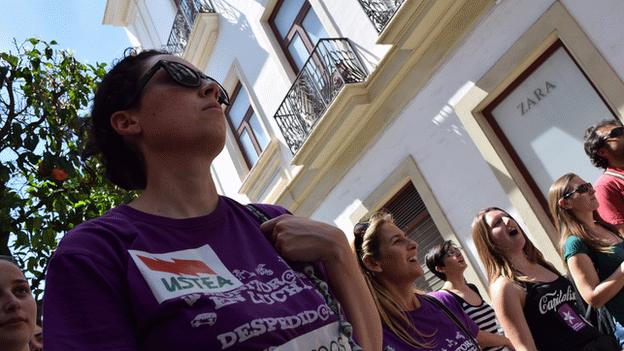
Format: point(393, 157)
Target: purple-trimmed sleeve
point(451, 303)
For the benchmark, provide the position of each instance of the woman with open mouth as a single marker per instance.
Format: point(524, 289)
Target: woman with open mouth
point(446, 262)
point(535, 304)
point(592, 249)
point(411, 319)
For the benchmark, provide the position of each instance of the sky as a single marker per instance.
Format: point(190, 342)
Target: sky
point(74, 24)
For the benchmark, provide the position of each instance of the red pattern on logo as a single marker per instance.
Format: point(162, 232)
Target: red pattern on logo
point(188, 267)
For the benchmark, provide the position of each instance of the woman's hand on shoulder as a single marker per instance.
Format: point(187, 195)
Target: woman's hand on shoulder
point(306, 240)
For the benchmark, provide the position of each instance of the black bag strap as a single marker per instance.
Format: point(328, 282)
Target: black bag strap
point(258, 213)
point(452, 317)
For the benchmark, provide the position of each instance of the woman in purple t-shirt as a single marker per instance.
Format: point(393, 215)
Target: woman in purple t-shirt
point(181, 267)
point(411, 319)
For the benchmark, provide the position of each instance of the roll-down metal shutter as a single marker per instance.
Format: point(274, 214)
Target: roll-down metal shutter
point(411, 215)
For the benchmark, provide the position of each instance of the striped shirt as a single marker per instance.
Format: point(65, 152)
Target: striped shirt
point(482, 314)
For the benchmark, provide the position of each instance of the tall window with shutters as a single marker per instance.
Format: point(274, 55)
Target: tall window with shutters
point(298, 29)
point(246, 126)
point(411, 215)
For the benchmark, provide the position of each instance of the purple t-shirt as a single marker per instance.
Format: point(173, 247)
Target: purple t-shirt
point(430, 319)
point(134, 281)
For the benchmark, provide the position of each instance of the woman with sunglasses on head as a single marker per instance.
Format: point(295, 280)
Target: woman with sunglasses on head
point(18, 311)
point(411, 319)
point(535, 304)
point(446, 262)
point(180, 267)
point(592, 249)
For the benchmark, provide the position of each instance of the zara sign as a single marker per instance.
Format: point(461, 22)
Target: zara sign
point(542, 117)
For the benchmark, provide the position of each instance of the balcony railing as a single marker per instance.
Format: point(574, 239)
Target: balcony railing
point(380, 11)
point(332, 64)
point(183, 23)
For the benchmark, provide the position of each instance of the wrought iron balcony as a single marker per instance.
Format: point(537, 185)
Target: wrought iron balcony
point(183, 23)
point(380, 11)
point(331, 65)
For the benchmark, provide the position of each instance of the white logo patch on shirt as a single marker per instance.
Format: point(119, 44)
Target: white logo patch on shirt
point(174, 274)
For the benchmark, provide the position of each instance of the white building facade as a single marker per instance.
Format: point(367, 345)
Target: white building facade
point(432, 109)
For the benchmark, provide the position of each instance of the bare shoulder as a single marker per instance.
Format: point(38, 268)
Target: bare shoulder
point(503, 288)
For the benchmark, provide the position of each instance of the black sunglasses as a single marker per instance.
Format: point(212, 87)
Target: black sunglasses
point(581, 189)
point(614, 133)
point(453, 251)
point(181, 74)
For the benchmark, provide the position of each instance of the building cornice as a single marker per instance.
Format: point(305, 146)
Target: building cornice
point(119, 12)
point(360, 112)
point(202, 39)
point(263, 173)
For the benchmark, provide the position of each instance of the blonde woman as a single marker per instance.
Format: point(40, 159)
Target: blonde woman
point(592, 248)
point(535, 304)
point(411, 319)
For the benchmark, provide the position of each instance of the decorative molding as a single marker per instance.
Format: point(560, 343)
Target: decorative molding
point(361, 111)
point(119, 12)
point(380, 12)
point(555, 24)
point(408, 171)
point(332, 65)
point(266, 169)
point(330, 132)
point(202, 39)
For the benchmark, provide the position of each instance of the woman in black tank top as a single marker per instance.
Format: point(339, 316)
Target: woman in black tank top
point(534, 303)
point(551, 313)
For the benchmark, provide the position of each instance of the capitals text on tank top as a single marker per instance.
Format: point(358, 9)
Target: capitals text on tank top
point(551, 313)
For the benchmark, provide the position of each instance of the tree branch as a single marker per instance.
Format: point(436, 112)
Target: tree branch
point(20, 219)
point(4, 131)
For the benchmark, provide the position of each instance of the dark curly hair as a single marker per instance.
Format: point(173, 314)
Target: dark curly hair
point(593, 142)
point(124, 164)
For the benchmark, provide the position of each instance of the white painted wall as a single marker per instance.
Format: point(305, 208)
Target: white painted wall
point(602, 22)
point(152, 23)
point(347, 19)
point(430, 131)
point(428, 128)
point(244, 51)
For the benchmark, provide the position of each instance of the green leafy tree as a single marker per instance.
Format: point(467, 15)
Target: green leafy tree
point(46, 186)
